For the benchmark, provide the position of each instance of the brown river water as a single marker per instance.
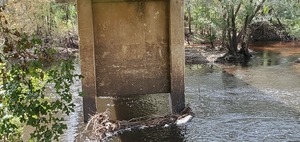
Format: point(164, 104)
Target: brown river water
point(256, 102)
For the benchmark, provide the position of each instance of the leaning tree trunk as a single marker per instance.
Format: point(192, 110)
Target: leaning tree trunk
point(245, 40)
point(190, 20)
point(229, 46)
point(233, 54)
point(244, 35)
point(232, 37)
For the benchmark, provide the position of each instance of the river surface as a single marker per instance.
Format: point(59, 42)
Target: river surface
point(259, 101)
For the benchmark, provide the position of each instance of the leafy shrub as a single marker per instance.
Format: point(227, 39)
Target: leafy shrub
point(34, 90)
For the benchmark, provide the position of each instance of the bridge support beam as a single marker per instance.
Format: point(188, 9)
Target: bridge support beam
point(177, 55)
point(87, 56)
point(131, 47)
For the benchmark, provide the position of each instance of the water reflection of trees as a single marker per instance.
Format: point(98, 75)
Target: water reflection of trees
point(265, 58)
point(127, 107)
point(269, 59)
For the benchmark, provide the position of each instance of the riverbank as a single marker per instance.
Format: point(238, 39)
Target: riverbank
point(201, 53)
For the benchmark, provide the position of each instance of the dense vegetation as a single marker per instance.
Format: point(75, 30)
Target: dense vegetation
point(34, 81)
point(232, 23)
point(54, 23)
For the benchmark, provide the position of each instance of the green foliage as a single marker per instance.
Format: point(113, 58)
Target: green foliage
point(206, 18)
point(294, 28)
point(288, 12)
point(33, 91)
point(47, 19)
point(212, 15)
point(64, 14)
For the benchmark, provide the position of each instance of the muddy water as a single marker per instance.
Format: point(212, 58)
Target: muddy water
point(259, 101)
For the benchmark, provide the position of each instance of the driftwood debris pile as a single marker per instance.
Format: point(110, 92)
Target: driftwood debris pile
point(101, 127)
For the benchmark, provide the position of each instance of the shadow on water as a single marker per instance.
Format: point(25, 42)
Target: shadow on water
point(228, 108)
point(125, 108)
point(257, 102)
point(158, 134)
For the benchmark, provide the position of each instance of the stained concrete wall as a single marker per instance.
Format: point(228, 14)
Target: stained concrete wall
point(3, 2)
point(130, 47)
point(87, 56)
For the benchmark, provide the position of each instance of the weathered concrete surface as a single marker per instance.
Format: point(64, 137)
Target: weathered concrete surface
point(131, 48)
point(177, 55)
point(87, 59)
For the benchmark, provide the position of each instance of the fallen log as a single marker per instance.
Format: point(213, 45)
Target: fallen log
point(100, 127)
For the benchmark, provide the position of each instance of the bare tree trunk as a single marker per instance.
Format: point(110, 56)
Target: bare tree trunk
point(233, 36)
point(229, 46)
point(245, 40)
point(189, 20)
point(223, 42)
point(248, 19)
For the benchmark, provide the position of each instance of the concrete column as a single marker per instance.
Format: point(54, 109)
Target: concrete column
point(87, 56)
point(177, 55)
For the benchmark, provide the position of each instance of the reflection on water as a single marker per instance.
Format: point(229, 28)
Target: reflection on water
point(296, 68)
point(283, 48)
point(257, 102)
point(237, 107)
point(126, 108)
point(266, 58)
point(158, 134)
point(275, 53)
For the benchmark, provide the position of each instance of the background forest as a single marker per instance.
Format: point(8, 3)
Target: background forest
point(207, 19)
point(33, 32)
point(229, 23)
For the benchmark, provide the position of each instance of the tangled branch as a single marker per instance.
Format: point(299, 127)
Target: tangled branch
point(100, 126)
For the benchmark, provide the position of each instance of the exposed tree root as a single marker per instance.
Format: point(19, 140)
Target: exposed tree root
point(239, 58)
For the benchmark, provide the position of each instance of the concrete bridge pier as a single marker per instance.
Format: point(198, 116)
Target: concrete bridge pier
point(131, 47)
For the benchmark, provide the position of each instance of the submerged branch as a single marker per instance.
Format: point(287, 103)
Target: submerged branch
point(100, 126)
